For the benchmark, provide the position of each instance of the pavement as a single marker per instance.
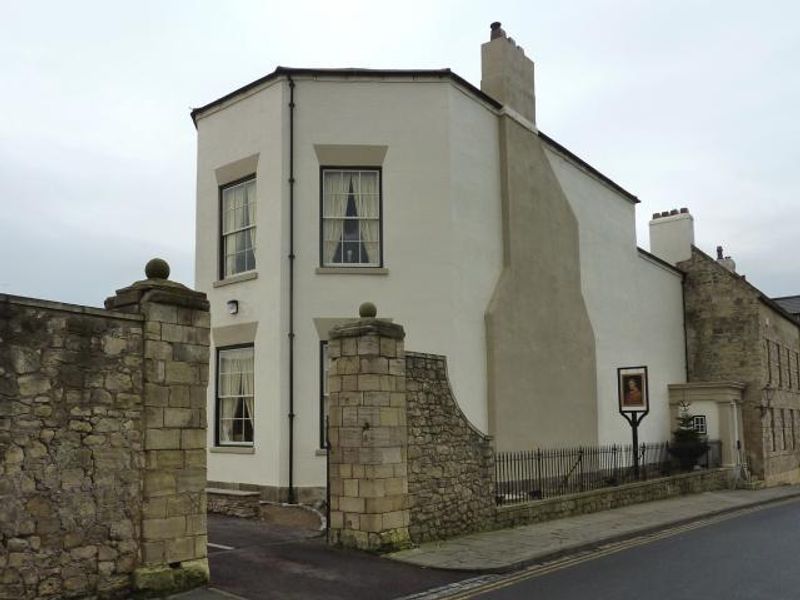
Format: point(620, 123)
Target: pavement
point(250, 560)
point(510, 549)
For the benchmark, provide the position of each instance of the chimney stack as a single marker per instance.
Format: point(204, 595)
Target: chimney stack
point(507, 74)
point(725, 261)
point(672, 235)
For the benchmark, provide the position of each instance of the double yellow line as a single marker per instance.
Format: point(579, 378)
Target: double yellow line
point(612, 548)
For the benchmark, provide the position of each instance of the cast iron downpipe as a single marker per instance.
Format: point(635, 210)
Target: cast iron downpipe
point(291, 498)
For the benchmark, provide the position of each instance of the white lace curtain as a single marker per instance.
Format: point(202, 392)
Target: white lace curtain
point(338, 186)
point(236, 389)
point(238, 207)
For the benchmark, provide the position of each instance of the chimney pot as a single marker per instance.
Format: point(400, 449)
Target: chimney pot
point(684, 211)
point(674, 211)
point(719, 252)
point(664, 213)
point(497, 31)
point(656, 215)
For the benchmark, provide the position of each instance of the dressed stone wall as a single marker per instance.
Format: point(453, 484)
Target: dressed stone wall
point(450, 463)
point(368, 436)
point(102, 444)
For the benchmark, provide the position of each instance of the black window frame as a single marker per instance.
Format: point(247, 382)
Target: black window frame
point(323, 441)
point(220, 235)
point(354, 266)
point(696, 419)
point(217, 443)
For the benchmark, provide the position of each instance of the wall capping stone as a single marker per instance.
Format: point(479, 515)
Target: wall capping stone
point(366, 327)
point(69, 308)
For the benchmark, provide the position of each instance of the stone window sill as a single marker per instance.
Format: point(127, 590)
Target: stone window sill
point(352, 271)
point(236, 279)
point(232, 450)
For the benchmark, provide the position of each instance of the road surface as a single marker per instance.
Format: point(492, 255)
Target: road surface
point(750, 555)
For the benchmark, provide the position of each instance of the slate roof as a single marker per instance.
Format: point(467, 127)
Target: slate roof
point(790, 304)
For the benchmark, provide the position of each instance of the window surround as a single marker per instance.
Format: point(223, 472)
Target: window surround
point(232, 450)
point(371, 268)
point(230, 446)
point(351, 271)
point(233, 277)
point(246, 276)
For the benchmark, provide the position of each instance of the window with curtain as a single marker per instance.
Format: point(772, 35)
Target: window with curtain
point(235, 396)
point(351, 218)
point(238, 244)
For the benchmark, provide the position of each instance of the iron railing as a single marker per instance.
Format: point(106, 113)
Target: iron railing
point(547, 473)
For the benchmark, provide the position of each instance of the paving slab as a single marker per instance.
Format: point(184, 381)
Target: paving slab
point(508, 549)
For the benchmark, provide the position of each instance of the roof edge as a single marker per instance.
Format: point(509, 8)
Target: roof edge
point(349, 72)
point(789, 297)
point(583, 164)
point(759, 294)
point(660, 261)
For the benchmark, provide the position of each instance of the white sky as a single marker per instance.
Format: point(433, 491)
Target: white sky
point(683, 103)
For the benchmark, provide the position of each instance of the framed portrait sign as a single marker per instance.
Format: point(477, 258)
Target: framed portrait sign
point(632, 390)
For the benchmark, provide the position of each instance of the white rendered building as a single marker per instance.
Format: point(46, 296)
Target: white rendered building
point(444, 205)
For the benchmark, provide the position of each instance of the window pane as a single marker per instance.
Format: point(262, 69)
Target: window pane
point(373, 252)
point(227, 221)
point(227, 408)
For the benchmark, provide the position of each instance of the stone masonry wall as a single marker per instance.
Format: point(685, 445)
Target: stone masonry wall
point(616, 497)
point(450, 463)
point(71, 447)
point(102, 444)
point(781, 429)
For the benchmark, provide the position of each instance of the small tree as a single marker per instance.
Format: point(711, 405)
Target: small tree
point(687, 444)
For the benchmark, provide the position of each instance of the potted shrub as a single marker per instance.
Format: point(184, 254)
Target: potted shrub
point(687, 446)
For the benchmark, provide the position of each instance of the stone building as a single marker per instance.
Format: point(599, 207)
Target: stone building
point(736, 333)
point(743, 356)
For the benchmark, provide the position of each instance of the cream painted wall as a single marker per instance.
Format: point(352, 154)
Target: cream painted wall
point(441, 230)
point(442, 246)
point(634, 303)
point(224, 139)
